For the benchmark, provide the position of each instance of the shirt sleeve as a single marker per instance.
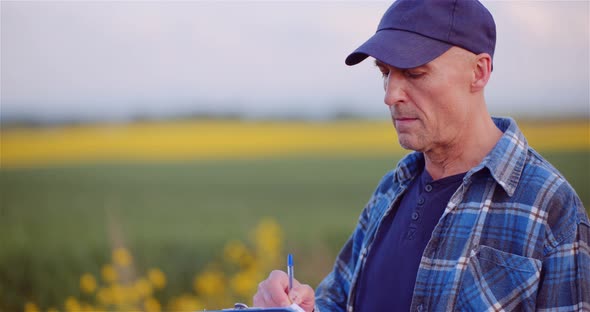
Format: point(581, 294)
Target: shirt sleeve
point(332, 292)
point(565, 276)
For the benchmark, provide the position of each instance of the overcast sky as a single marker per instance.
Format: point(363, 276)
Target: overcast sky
point(104, 60)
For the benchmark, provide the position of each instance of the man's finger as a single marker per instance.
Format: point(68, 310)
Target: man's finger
point(258, 299)
point(277, 296)
point(303, 295)
point(272, 292)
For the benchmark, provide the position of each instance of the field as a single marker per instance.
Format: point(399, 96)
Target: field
point(174, 194)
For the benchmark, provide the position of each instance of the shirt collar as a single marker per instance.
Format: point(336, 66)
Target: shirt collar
point(409, 167)
point(505, 161)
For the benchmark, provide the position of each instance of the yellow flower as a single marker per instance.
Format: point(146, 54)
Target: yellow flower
point(87, 283)
point(131, 294)
point(209, 283)
point(143, 288)
point(157, 278)
point(118, 294)
point(244, 283)
point(121, 257)
point(268, 240)
point(185, 303)
point(109, 274)
point(31, 307)
point(248, 261)
point(234, 251)
point(72, 305)
point(152, 305)
point(104, 296)
point(123, 295)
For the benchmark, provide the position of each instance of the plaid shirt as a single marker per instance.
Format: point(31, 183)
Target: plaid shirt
point(513, 237)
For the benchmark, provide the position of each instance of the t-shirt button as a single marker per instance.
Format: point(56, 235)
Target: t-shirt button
point(415, 215)
point(428, 187)
point(420, 200)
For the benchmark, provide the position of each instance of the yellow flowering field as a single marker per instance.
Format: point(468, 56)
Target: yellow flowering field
point(235, 139)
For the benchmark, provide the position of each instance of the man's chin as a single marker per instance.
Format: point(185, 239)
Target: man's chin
point(407, 143)
point(406, 146)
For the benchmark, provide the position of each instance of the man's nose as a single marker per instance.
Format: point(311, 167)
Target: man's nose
point(394, 84)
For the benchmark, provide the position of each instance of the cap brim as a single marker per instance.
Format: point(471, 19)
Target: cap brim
point(398, 48)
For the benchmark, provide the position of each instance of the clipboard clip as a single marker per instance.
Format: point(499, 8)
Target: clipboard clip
point(240, 306)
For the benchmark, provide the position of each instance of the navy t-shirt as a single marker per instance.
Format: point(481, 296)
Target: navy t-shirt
point(388, 277)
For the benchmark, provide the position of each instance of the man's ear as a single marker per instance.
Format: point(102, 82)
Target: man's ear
point(482, 69)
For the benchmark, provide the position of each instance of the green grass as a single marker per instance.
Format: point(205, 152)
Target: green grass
point(54, 222)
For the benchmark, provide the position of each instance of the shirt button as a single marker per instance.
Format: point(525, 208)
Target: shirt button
point(420, 200)
point(411, 234)
point(428, 187)
point(415, 215)
point(420, 308)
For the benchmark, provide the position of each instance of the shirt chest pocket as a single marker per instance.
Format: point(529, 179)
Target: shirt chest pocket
point(498, 279)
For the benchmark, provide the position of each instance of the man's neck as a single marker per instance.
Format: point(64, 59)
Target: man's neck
point(466, 152)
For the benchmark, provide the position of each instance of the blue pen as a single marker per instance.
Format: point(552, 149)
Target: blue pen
point(290, 270)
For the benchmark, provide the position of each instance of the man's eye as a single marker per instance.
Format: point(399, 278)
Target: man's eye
point(413, 74)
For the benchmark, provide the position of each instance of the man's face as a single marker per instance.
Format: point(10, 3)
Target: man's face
point(430, 104)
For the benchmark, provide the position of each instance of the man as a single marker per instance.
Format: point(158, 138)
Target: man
point(474, 219)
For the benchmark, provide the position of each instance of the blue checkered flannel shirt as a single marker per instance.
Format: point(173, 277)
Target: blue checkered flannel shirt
point(513, 237)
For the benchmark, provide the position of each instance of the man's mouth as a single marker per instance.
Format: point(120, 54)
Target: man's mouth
point(403, 122)
point(404, 119)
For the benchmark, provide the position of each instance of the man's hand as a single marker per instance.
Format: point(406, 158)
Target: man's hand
point(274, 292)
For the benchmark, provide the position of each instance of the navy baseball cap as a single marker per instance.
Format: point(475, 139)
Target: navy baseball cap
point(415, 32)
